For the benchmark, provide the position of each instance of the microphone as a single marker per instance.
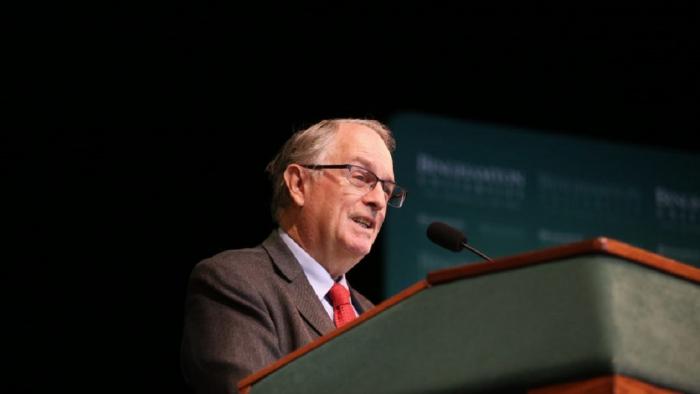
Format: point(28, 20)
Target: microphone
point(450, 238)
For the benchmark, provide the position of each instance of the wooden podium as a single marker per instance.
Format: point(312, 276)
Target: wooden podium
point(597, 316)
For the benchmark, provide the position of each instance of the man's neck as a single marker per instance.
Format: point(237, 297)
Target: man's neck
point(333, 264)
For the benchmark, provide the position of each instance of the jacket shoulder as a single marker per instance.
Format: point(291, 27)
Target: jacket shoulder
point(229, 262)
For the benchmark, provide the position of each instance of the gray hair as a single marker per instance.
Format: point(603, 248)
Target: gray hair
point(310, 146)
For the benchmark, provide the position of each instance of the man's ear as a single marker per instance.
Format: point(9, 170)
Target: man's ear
point(294, 178)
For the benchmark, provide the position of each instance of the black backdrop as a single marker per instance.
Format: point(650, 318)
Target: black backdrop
point(137, 137)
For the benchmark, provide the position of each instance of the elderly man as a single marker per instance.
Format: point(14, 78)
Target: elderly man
point(247, 308)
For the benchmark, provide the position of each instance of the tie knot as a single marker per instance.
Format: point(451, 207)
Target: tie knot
point(339, 295)
point(343, 311)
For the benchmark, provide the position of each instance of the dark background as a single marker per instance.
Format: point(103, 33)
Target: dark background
point(137, 135)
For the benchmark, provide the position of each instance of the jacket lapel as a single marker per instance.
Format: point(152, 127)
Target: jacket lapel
point(307, 303)
point(359, 301)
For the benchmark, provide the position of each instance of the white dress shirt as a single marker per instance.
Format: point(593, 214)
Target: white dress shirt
point(320, 280)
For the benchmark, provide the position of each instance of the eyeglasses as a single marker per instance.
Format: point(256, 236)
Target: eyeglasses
point(366, 179)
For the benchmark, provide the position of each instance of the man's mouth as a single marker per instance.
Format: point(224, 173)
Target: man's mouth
point(364, 222)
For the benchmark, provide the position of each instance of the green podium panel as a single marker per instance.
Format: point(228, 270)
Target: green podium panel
point(510, 330)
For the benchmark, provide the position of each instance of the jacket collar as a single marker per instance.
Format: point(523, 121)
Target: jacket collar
point(300, 290)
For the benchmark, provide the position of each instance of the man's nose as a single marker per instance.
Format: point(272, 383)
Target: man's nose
point(376, 196)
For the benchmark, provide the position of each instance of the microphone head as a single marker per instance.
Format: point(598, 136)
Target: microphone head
point(446, 236)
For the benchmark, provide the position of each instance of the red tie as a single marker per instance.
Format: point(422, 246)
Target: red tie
point(342, 308)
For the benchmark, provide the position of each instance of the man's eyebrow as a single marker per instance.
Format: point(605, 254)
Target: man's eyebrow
point(363, 162)
point(368, 165)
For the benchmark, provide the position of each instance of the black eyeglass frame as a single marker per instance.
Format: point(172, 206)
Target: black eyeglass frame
point(396, 195)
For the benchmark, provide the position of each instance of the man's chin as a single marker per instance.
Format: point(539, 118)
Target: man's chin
point(359, 249)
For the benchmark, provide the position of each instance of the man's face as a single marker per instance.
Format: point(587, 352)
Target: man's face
point(347, 218)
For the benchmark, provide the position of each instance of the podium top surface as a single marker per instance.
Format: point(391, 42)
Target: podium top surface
point(600, 245)
point(580, 253)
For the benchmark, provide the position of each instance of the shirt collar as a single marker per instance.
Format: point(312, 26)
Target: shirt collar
point(320, 280)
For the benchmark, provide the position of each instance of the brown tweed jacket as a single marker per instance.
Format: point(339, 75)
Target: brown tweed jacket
point(245, 309)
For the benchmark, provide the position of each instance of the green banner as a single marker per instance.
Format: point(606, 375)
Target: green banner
point(513, 190)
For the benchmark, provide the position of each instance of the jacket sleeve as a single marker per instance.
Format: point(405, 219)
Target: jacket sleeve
point(228, 332)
